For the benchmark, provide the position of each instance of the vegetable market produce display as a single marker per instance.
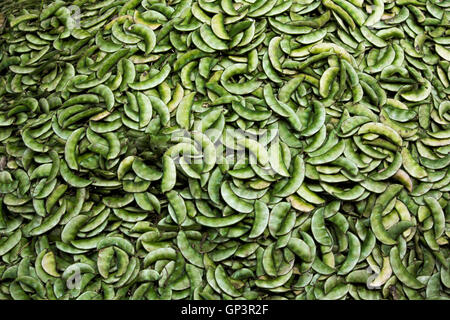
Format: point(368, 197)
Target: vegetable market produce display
point(225, 149)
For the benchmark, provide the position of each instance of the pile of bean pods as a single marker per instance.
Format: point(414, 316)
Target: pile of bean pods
point(225, 149)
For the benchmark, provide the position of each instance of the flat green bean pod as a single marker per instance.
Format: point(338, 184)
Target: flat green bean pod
point(235, 150)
